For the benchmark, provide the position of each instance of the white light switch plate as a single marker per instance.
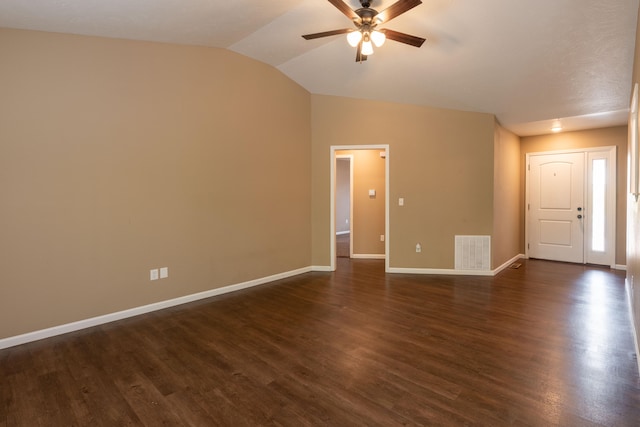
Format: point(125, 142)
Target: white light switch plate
point(153, 274)
point(164, 272)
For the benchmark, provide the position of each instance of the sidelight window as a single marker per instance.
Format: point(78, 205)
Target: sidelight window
point(598, 205)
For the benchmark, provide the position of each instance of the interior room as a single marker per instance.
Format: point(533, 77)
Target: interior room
point(176, 179)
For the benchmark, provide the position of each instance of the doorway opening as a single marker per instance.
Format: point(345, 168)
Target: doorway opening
point(344, 205)
point(571, 206)
point(359, 202)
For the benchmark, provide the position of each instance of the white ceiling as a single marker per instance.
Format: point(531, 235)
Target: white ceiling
point(527, 62)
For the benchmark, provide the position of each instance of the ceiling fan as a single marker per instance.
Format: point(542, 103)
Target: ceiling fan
point(366, 21)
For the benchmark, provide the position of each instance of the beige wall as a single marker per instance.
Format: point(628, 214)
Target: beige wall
point(118, 156)
point(633, 221)
point(507, 198)
point(368, 212)
point(614, 136)
point(441, 163)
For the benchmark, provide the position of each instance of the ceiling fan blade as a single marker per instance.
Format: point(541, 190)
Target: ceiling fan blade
point(344, 8)
point(359, 56)
point(326, 34)
point(398, 8)
point(403, 38)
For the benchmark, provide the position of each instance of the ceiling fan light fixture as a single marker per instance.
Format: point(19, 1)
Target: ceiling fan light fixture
point(354, 38)
point(556, 126)
point(378, 38)
point(367, 48)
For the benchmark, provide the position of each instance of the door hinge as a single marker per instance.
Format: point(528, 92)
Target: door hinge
point(528, 247)
point(528, 206)
point(529, 167)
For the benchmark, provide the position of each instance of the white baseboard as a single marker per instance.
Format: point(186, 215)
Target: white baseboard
point(321, 268)
point(368, 256)
point(454, 272)
point(340, 233)
point(620, 267)
point(99, 320)
point(507, 264)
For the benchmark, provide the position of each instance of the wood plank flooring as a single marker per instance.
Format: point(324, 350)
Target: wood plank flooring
point(548, 344)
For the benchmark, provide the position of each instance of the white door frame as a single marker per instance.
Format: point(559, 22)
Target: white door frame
point(611, 192)
point(332, 237)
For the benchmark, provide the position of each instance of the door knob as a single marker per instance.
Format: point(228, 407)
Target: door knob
point(579, 209)
point(579, 216)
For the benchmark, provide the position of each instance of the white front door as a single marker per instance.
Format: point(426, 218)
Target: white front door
point(570, 211)
point(556, 205)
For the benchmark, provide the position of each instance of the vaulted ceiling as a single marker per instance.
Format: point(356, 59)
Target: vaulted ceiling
point(527, 62)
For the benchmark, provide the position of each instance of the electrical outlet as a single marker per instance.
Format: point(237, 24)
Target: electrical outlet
point(382, 237)
point(153, 274)
point(418, 248)
point(401, 201)
point(164, 272)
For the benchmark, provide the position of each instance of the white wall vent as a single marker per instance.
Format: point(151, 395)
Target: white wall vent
point(473, 253)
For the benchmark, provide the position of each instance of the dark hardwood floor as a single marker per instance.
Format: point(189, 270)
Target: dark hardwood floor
point(548, 344)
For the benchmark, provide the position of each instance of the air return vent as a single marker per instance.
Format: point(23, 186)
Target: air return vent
point(473, 253)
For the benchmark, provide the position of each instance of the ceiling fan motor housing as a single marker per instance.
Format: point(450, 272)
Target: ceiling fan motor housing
point(366, 17)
